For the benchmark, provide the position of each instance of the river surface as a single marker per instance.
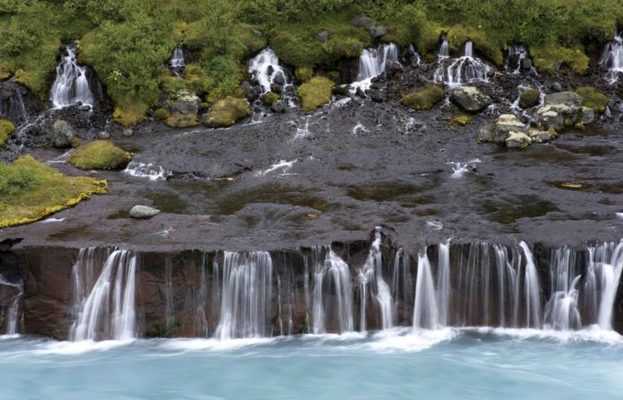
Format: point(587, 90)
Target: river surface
point(394, 364)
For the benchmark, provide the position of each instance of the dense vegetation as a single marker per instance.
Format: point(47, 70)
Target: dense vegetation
point(30, 190)
point(128, 41)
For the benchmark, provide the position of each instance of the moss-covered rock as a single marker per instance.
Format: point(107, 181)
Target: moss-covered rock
point(227, 112)
point(179, 120)
point(161, 113)
point(529, 98)
point(461, 120)
point(304, 74)
point(593, 98)
point(100, 154)
point(30, 190)
point(549, 58)
point(270, 97)
point(6, 130)
point(128, 113)
point(424, 99)
point(316, 93)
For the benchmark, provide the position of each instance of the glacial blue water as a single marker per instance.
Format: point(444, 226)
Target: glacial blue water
point(396, 364)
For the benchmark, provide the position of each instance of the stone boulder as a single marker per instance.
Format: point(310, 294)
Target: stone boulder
point(143, 212)
point(227, 112)
point(63, 134)
point(470, 99)
point(563, 109)
point(183, 103)
point(509, 131)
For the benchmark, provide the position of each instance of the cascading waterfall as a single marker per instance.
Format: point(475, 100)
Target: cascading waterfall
point(372, 285)
point(607, 263)
point(464, 70)
point(332, 300)
point(532, 289)
point(612, 59)
point(444, 49)
point(12, 313)
point(106, 307)
point(246, 295)
point(374, 63)
point(147, 171)
point(425, 309)
point(71, 86)
point(517, 59)
point(177, 62)
point(265, 68)
point(561, 311)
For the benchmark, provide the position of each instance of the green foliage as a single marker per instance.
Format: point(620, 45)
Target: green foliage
point(551, 57)
point(6, 130)
point(529, 98)
point(30, 190)
point(315, 93)
point(303, 74)
point(593, 98)
point(227, 112)
point(178, 120)
point(100, 154)
point(424, 99)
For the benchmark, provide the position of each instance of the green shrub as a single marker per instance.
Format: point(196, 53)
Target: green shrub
point(424, 99)
point(100, 154)
point(227, 112)
point(30, 190)
point(315, 93)
point(593, 98)
point(550, 57)
point(529, 98)
point(6, 130)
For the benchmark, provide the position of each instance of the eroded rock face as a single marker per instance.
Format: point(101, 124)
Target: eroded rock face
point(17, 103)
point(470, 99)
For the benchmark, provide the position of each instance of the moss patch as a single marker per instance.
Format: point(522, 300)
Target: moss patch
point(593, 98)
point(128, 113)
point(315, 93)
point(304, 74)
point(461, 120)
point(6, 130)
point(270, 97)
point(100, 154)
point(30, 190)
point(549, 58)
point(227, 112)
point(178, 120)
point(529, 98)
point(424, 99)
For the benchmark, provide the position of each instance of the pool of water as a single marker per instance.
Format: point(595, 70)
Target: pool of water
point(395, 364)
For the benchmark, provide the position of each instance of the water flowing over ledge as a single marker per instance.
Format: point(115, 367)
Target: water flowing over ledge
point(71, 86)
point(339, 288)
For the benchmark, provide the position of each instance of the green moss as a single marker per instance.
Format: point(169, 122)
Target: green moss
point(30, 190)
point(315, 93)
point(100, 154)
point(529, 98)
point(6, 130)
point(128, 113)
point(461, 120)
point(424, 99)
point(227, 112)
point(4, 74)
point(304, 74)
point(178, 120)
point(270, 97)
point(593, 98)
point(548, 58)
point(161, 114)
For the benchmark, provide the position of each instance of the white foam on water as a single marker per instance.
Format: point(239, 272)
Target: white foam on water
point(359, 128)
point(80, 347)
point(282, 165)
point(146, 170)
point(214, 344)
point(409, 340)
point(589, 334)
point(619, 215)
point(459, 169)
point(52, 220)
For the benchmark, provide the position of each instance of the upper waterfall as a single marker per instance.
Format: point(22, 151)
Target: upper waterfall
point(373, 63)
point(265, 68)
point(177, 62)
point(463, 70)
point(612, 59)
point(71, 86)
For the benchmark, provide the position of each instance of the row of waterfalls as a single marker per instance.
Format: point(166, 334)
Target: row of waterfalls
point(118, 294)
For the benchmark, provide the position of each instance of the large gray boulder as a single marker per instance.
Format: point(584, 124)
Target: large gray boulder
point(470, 99)
point(62, 134)
point(562, 110)
point(510, 132)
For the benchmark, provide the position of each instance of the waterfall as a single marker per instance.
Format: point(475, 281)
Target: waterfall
point(246, 295)
point(332, 303)
point(266, 70)
point(443, 282)
point(374, 63)
point(561, 311)
point(105, 308)
point(514, 61)
point(177, 62)
point(463, 70)
point(607, 262)
point(147, 171)
point(425, 310)
point(612, 59)
point(532, 290)
point(444, 49)
point(12, 313)
point(373, 285)
point(71, 86)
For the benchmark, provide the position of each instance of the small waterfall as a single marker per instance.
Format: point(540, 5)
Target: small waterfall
point(561, 311)
point(177, 62)
point(532, 290)
point(612, 59)
point(463, 70)
point(444, 49)
point(105, 308)
point(514, 61)
point(332, 300)
point(425, 310)
point(147, 171)
point(246, 295)
point(606, 261)
point(71, 86)
point(374, 286)
point(374, 63)
point(443, 282)
point(11, 315)
point(266, 70)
